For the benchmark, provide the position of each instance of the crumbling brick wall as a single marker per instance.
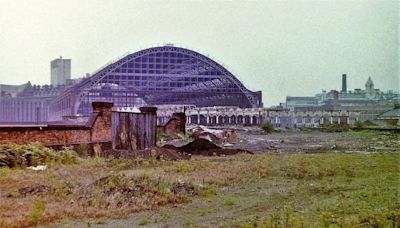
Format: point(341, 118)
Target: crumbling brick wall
point(45, 135)
point(102, 128)
point(175, 125)
point(97, 132)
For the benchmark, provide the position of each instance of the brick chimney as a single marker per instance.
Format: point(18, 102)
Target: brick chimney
point(344, 83)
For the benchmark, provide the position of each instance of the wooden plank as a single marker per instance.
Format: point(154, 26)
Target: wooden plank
point(122, 134)
point(134, 131)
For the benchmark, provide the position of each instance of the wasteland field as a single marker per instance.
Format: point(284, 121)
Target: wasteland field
point(351, 180)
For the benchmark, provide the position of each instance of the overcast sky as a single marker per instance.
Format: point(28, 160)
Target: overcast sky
point(280, 47)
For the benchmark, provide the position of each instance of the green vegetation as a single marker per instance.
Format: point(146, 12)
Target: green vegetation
point(184, 138)
point(230, 201)
point(143, 221)
point(82, 150)
point(299, 190)
point(38, 207)
point(334, 127)
point(267, 127)
point(359, 124)
point(363, 133)
point(161, 137)
point(263, 190)
point(13, 155)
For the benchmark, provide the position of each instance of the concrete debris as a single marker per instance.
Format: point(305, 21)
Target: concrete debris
point(36, 189)
point(227, 145)
point(38, 168)
point(182, 188)
point(212, 135)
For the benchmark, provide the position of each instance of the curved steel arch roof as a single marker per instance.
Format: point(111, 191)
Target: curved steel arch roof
point(165, 75)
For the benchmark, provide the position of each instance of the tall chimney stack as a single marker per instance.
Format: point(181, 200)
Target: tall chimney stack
point(344, 83)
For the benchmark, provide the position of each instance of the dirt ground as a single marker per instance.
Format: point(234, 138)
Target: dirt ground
point(301, 177)
point(202, 212)
point(268, 200)
point(313, 141)
point(254, 140)
point(298, 190)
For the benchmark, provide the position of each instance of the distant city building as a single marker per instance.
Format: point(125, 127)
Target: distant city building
point(370, 101)
point(60, 70)
point(301, 101)
point(367, 97)
point(11, 90)
point(278, 117)
point(391, 117)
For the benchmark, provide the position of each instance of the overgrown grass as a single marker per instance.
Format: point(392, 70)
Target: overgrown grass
point(334, 127)
point(230, 201)
point(363, 133)
point(37, 211)
point(335, 190)
point(319, 189)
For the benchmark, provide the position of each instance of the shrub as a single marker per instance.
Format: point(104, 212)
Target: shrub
point(359, 124)
point(267, 127)
point(143, 221)
point(209, 194)
point(230, 201)
point(14, 155)
point(67, 156)
point(336, 127)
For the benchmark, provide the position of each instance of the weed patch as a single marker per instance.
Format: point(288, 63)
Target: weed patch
point(37, 210)
point(143, 221)
point(230, 201)
point(21, 156)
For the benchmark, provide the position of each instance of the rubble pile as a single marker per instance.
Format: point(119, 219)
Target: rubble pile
point(206, 148)
point(35, 189)
point(212, 135)
point(206, 142)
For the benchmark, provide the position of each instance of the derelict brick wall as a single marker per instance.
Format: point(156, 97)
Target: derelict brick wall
point(175, 125)
point(99, 131)
point(44, 136)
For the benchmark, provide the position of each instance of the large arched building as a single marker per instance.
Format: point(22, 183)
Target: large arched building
point(155, 76)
